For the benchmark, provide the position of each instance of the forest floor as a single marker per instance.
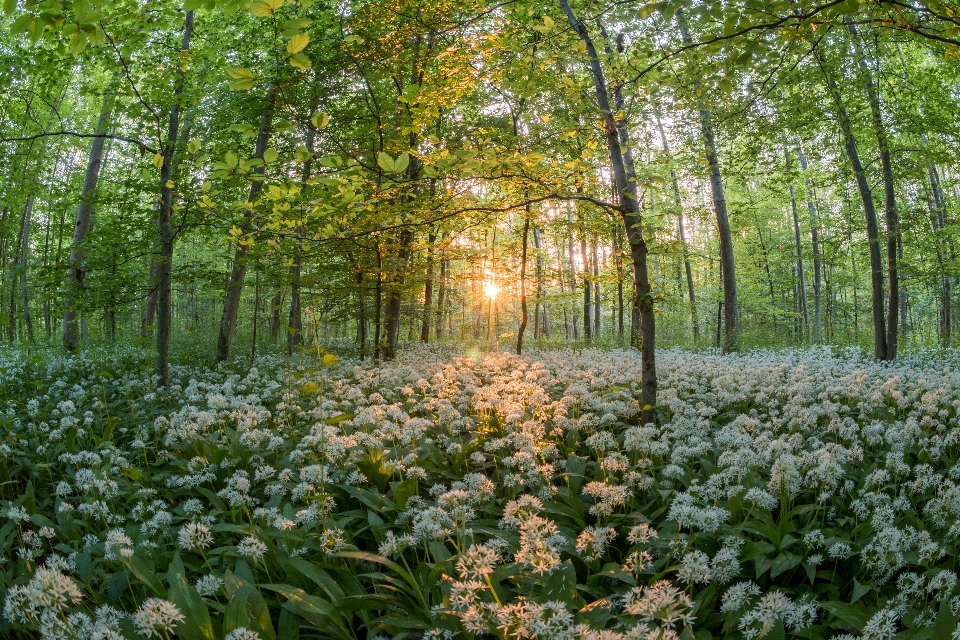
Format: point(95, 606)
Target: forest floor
point(804, 493)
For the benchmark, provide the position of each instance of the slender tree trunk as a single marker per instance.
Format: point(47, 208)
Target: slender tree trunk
point(889, 198)
point(231, 302)
point(801, 279)
point(596, 289)
point(587, 287)
point(523, 281)
point(573, 269)
point(76, 272)
point(13, 277)
point(618, 263)
point(276, 305)
point(731, 308)
point(544, 325)
point(24, 264)
point(428, 291)
point(164, 217)
point(442, 293)
point(815, 242)
point(295, 318)
point(938, 219)
point(378, 309)
point(625, 179)
point(870, 212)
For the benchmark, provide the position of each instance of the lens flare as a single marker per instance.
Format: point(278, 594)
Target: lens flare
point(491, 289)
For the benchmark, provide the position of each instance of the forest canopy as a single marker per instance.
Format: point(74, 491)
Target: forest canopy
point(741, 173)
point(441, 319)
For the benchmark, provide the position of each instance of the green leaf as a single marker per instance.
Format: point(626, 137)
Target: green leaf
point(319, 120)
point(945, 625)
point(852, 616)
point(404, 491)
point(859, 590)
point(316, 611)
point(244, 84)
point(270, 155)
point(78, 43)
point(145, 574)
point(9, 5)
point(298, 43)
point(402, 162)
point(385, 161)
point(230, 159)
point(239, 73)
point(300, 61)
point(196, 624)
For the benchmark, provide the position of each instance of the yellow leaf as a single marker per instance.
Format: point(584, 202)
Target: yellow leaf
point(157, 160)
point(169, 184)
point(298, 43)
point(240, 73)
point(264, 8)
point(310, 387)
point(548, 22)
point(300, 61)
point(330, 360)
point(320, 120)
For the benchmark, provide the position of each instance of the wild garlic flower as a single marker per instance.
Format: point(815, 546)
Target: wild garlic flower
point(477, 561)
point(592, 542)
point(194, 536)
point(156, 617)
point(209, 585)
point(661, 604)
point(252, 547)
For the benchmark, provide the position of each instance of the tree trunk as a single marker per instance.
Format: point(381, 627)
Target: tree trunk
point(596, 289)
point(938, 219)
point(801, 280)
point(625, 179)
point(731, 308)
point(76, 272)
point(681, 232)
point(573, 269)
point(295, 318)
point(428, 291)
point(523, 281)
point(231, 302)
point(889, 198)
point(164, 217)
point(442, 293)
point(544, 321)
point(24, 263)
point(815, 242)
point(870, 212)
point(587, 287)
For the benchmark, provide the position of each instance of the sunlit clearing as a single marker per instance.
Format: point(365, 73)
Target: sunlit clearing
point(491, 289)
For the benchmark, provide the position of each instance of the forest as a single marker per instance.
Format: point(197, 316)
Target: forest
point(435, 319)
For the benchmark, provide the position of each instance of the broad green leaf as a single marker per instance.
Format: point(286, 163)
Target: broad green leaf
point(402, 162)
point(385, 161)
point(300, 61)
point(270, 155)
point(319, 120)
point(78, 43)
point(230, 159)
point(264, 8)
point(298, 43)
point(240, 73)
